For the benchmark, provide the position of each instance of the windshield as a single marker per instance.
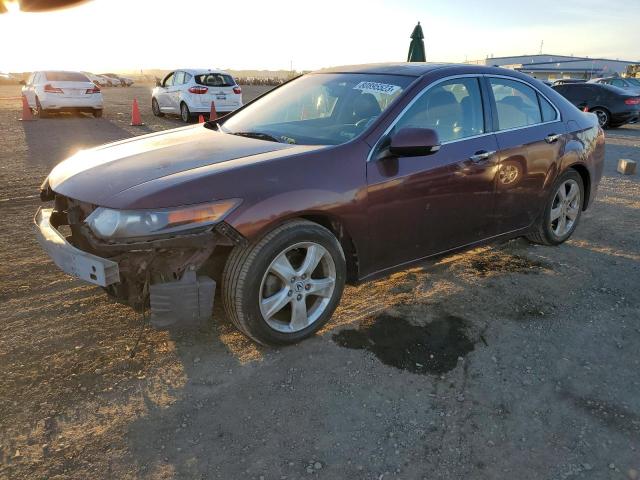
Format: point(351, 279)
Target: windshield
point(319, 109)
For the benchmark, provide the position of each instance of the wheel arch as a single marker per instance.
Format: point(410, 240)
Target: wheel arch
point(335, 226)
point(327, 220)
point(583, 171)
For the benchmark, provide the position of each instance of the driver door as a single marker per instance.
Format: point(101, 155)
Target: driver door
point(163, 97)
point(423, 205)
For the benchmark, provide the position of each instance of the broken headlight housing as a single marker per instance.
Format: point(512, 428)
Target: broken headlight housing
point(110, 224)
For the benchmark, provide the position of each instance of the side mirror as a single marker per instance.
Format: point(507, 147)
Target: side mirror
point(22, 82)
point(414, 142)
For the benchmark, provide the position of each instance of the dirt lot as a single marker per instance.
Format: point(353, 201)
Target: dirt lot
point(512, 361)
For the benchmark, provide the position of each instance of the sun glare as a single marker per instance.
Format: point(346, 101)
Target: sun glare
point(12, 7)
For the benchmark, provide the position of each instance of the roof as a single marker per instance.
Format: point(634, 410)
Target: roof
point(416, 69)
point(199, 71)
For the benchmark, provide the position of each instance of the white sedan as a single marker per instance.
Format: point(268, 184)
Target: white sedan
point(189, 92)
point(60, 91)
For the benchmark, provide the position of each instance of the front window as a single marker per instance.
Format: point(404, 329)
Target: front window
point(452, 108)
point(168, 80)
point(319, 109)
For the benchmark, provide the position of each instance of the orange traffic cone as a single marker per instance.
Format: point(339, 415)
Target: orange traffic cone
point(27, 116)
point(585, 109)
point(136, 121)
point(213, 115)
point(200, 118)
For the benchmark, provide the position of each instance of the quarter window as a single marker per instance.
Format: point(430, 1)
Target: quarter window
point(549, 113)
point(452, 108)
point(516, 104)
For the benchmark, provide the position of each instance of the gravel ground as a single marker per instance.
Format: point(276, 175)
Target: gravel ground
point(508, 361)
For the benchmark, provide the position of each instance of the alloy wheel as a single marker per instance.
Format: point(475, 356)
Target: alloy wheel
point(565, 208)
point(603, 117)
point(297, 287)
point(184, 113)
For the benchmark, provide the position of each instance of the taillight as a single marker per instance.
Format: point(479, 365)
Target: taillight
point(93, 90)
point(51, 89)
point(198, 89)
point(632, 101)
point(237, 90)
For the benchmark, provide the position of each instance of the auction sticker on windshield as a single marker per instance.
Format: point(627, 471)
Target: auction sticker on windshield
point(375, 87)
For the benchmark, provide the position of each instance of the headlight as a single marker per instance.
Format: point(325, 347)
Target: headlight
point(112, 224)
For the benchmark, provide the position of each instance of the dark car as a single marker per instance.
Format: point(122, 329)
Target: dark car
point(631, 85)
point(342, 175)
point(613, 106)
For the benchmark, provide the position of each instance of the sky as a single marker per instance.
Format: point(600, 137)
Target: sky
point(129, 35)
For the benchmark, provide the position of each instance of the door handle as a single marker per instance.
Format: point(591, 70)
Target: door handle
point(552, 138)
point(481, 155)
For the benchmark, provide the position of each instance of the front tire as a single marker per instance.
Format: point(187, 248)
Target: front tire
point(562, 212)
point(286, 285)
point(155, 108)
point(185, 114)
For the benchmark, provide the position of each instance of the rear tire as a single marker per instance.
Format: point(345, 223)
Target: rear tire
point(155, 108)
point(185, 114)
point(604, 117)
point(261, 299)
point(562, 212)
point(97, 113)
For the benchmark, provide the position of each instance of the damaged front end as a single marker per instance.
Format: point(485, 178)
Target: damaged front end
point(170, 273)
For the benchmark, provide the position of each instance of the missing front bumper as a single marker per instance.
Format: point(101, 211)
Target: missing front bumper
point(71, 260)
point(178, 296)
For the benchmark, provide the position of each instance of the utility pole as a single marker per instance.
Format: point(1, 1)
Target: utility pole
point(541, 44)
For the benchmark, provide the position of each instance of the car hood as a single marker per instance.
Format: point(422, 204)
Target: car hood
point(98, 174)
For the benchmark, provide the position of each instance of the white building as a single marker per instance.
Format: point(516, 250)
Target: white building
point(553, 67)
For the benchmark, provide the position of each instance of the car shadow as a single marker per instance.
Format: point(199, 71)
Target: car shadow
point(51, 140)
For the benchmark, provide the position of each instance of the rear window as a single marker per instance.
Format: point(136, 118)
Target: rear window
point(65, 77)
point(215, 80)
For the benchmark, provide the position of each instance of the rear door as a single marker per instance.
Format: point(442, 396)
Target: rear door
point(531, 139)
point(423, 205)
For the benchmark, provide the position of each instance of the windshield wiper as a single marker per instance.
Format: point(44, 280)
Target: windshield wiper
point(258, 135)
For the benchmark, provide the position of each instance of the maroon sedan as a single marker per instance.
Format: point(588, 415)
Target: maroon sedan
point(337, 176)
